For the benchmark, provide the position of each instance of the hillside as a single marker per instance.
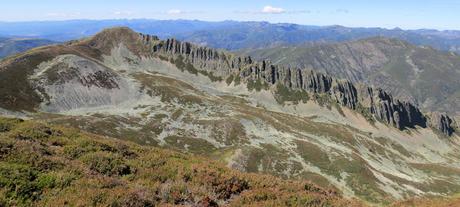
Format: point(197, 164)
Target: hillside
point(11, 46)
point(422, 75)
point(252, 115)
point(47, 165)
point(88, 169)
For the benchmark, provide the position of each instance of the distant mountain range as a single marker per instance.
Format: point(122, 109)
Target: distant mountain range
point(422, 75)
point(10, 46)
point(230, 35)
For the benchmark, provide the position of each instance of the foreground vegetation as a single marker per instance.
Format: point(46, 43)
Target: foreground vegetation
point(50, 165)
point(47, 165)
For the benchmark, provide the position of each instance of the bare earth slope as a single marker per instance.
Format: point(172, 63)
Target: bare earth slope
point(254, 116)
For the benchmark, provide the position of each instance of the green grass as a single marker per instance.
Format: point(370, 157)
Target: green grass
point(257, 85)
point(229, 79)
point(284, 94)
point(360, 178)
point(184, 65)
point(195, 145)
point(366, 112)
point(237, 80)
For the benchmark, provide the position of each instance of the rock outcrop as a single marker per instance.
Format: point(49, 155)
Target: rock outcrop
point(392, 111)
point(443, 123)
point(381, 105)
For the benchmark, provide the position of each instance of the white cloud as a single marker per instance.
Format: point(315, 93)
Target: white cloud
point(63, 15)
point(122, 12)
point(344, 11)
point(175, 11)
point(273, 10)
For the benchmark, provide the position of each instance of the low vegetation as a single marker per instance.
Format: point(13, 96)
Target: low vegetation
point(257, 85)
point(284, 94)
point(47, 165)
point(187, 66)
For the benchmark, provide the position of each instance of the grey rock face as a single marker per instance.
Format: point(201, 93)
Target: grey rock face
point(380, 104)
point(443, 123)
point(72, 82)
point(392, 111)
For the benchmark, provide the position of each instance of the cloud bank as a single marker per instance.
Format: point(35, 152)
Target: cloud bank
point(273, 10)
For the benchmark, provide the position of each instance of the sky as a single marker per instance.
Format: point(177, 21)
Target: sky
point(405, 14)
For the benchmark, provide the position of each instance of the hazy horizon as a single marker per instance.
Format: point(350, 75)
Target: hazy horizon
point(409, 14)
point(226, 20)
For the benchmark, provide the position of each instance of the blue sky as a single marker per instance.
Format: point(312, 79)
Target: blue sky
point(406, 14)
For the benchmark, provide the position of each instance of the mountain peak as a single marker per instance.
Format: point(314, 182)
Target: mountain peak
point(111, 36)
point(117, 32)
point(107, 39)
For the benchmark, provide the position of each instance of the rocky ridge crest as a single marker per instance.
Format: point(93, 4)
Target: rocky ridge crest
point(374, 102)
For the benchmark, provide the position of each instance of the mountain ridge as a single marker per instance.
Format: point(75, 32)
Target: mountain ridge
point(377, 102)
point(254, 116)
point(421, 75)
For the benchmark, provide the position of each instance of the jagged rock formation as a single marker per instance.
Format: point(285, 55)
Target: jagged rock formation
point(423, 76)
point(378, 102)
point(443, 123)
point(392, 111)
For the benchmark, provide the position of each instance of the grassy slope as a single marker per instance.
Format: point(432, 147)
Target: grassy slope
point(47, 165)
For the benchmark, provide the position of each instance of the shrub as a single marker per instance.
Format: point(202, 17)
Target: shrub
point(175, 192)
point(135, 199)
point(237, 80)
point(19, 182)
point(229, 79)
point(7, 124)
point(34, 131)
point(107, 163)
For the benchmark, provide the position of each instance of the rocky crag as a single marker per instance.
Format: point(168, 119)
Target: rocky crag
point(423, 76)
point(375, 102)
